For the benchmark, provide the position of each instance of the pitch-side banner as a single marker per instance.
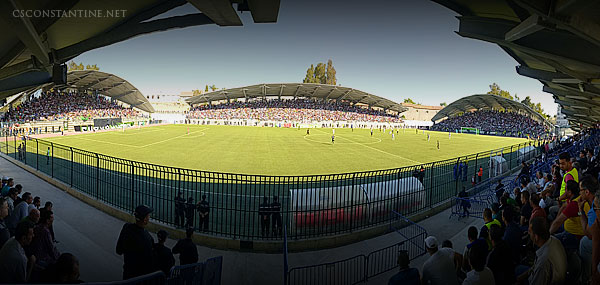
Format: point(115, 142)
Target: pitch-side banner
point(100, 123)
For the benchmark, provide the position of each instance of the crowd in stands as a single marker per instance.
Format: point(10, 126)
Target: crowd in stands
point(28, 250)
point(502, 123)
point(307, 110)
point(543, 231)
point(51, 106)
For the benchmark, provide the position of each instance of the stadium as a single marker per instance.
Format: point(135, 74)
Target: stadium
point(301, 182)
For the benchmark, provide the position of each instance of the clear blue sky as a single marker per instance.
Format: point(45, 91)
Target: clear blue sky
point(395, 49)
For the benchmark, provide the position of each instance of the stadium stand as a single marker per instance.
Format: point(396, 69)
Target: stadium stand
point(299, 110)
point(493, 122)
point(51, 106)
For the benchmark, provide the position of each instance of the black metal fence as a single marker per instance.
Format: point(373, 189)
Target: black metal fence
point(310, 206)
point(361, 268)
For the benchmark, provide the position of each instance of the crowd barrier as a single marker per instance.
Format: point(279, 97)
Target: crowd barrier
point(309, 206)
point(361, 268)
point(204, 273)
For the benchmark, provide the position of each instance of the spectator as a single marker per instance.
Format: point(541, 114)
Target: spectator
point(42, 246)
point(10, 200)
point(550, 265)
point(6, 186)
point(4, 232)
point(187, 250)
point(15, 266)
point(536, 211)
point(569, 219)
point(438, 269)
point(480, 275)
point(512, 234)
point(526, 209)
point(500, 259)
point(473, 239)
point(164, 256)
point(20, 211)
point(64, 271)
point(203, 211)
point(135, 244)
point(407, 275)
point(189, 212)
point(588, 188)
point(33, 217)
point(36, 203)
point(179, 210)
point(48, 207)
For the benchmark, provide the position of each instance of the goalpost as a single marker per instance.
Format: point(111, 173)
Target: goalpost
point(467, 130)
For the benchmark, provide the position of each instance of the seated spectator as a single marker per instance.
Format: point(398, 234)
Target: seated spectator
point(536, 211)
point(15, 266)
point(550, 265)
point(36, 203)
point(4, 232)
point(480, 275)
point(407, 275)
point(500, 259)
point(489, 221)
point(20, 211)
point(6, 186)
point(187, 250)
point(33, 217)
point(473, 239)
point(439, 268)
point(164, 256)
point(569, 219)
point(526, 209)
point(42, 246)
point(588, 189)
point(512, 234)
point(64, 271)
point(456, 257)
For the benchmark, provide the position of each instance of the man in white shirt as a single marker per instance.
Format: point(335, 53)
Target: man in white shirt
point(439, 268)
point(20, 211)
point(15, 267)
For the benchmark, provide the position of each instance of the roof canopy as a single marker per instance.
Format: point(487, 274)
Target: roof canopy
point(486, 101)
point(555, 42)
point(106, 84)
point(308, 90)
point(34, 46)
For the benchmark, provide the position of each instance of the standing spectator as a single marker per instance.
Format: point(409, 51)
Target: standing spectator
point(276, 216)
point(571, 173)
point(550, 265)
point(439, 268)
point(4, 232)
point(15, 266)
point(203, 210)
point(264, 212)
point(164, 256)
point(190, 208)
point(135, 244)
point(42, 246)
point(179, 210)
point(48, 156)
point(187, 250)
point(499, 189)
point(480, 273)
point(500, 259)
point(480, 174)
point(407, 275)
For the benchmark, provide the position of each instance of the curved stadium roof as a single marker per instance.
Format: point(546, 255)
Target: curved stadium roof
point(308, 90)
point(486, 101)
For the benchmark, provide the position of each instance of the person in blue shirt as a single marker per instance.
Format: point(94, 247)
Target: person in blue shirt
point(407, 275)
point(588, 188)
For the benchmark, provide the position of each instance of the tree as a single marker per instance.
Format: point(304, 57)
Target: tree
point(310, 75)
point(331, 80)
point(496, 90)
point(213, 87)
point(206, 88)
point(196, 92)
point(527, 102)
point(443, 104)
point(321, 73)
point(410, 101)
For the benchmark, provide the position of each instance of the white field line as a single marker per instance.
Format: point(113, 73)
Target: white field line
point(166, 140)
point(382, 151)
point(136, 146)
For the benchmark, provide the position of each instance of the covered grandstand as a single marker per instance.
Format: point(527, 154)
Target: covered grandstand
point(487, 102)
point(300, 90)
point(555, 42)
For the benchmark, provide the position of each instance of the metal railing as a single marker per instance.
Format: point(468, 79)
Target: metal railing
point(309, 206)
point(361, 268)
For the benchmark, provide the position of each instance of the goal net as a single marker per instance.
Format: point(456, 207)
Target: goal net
point(466, 130)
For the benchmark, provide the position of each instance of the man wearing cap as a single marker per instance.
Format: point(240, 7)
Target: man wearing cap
point(163, 254)
point(179, 210)
point(439, 268)
point(135, 244)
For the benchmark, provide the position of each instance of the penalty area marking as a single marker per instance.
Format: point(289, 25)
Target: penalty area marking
point(306, 138)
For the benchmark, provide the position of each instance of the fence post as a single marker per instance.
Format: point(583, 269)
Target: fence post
point(97, 175)
point(458, 175)
point(512, 156)
point(71, 148)
point(15, 143)
point(52, 158)
point(431, 185)
point(37, 154)
point(132, 186)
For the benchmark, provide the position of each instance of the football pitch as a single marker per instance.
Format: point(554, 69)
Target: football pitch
point(280, 151)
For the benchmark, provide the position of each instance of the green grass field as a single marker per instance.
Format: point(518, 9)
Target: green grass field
point(280, 151)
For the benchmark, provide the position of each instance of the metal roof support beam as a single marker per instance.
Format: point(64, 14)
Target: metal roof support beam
point(345, 94)
point(529, 26)
point(93, 83)
point(220, 11)
point(330, 92)
point(296, 93)
point(123, 94)
point(280, 91)
point(130, 30)
point(24, 29)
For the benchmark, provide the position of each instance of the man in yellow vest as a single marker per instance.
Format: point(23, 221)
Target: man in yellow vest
point(570, 219)
point(571, 173)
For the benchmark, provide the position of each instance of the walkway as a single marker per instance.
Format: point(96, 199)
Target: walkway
point(91, 235)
